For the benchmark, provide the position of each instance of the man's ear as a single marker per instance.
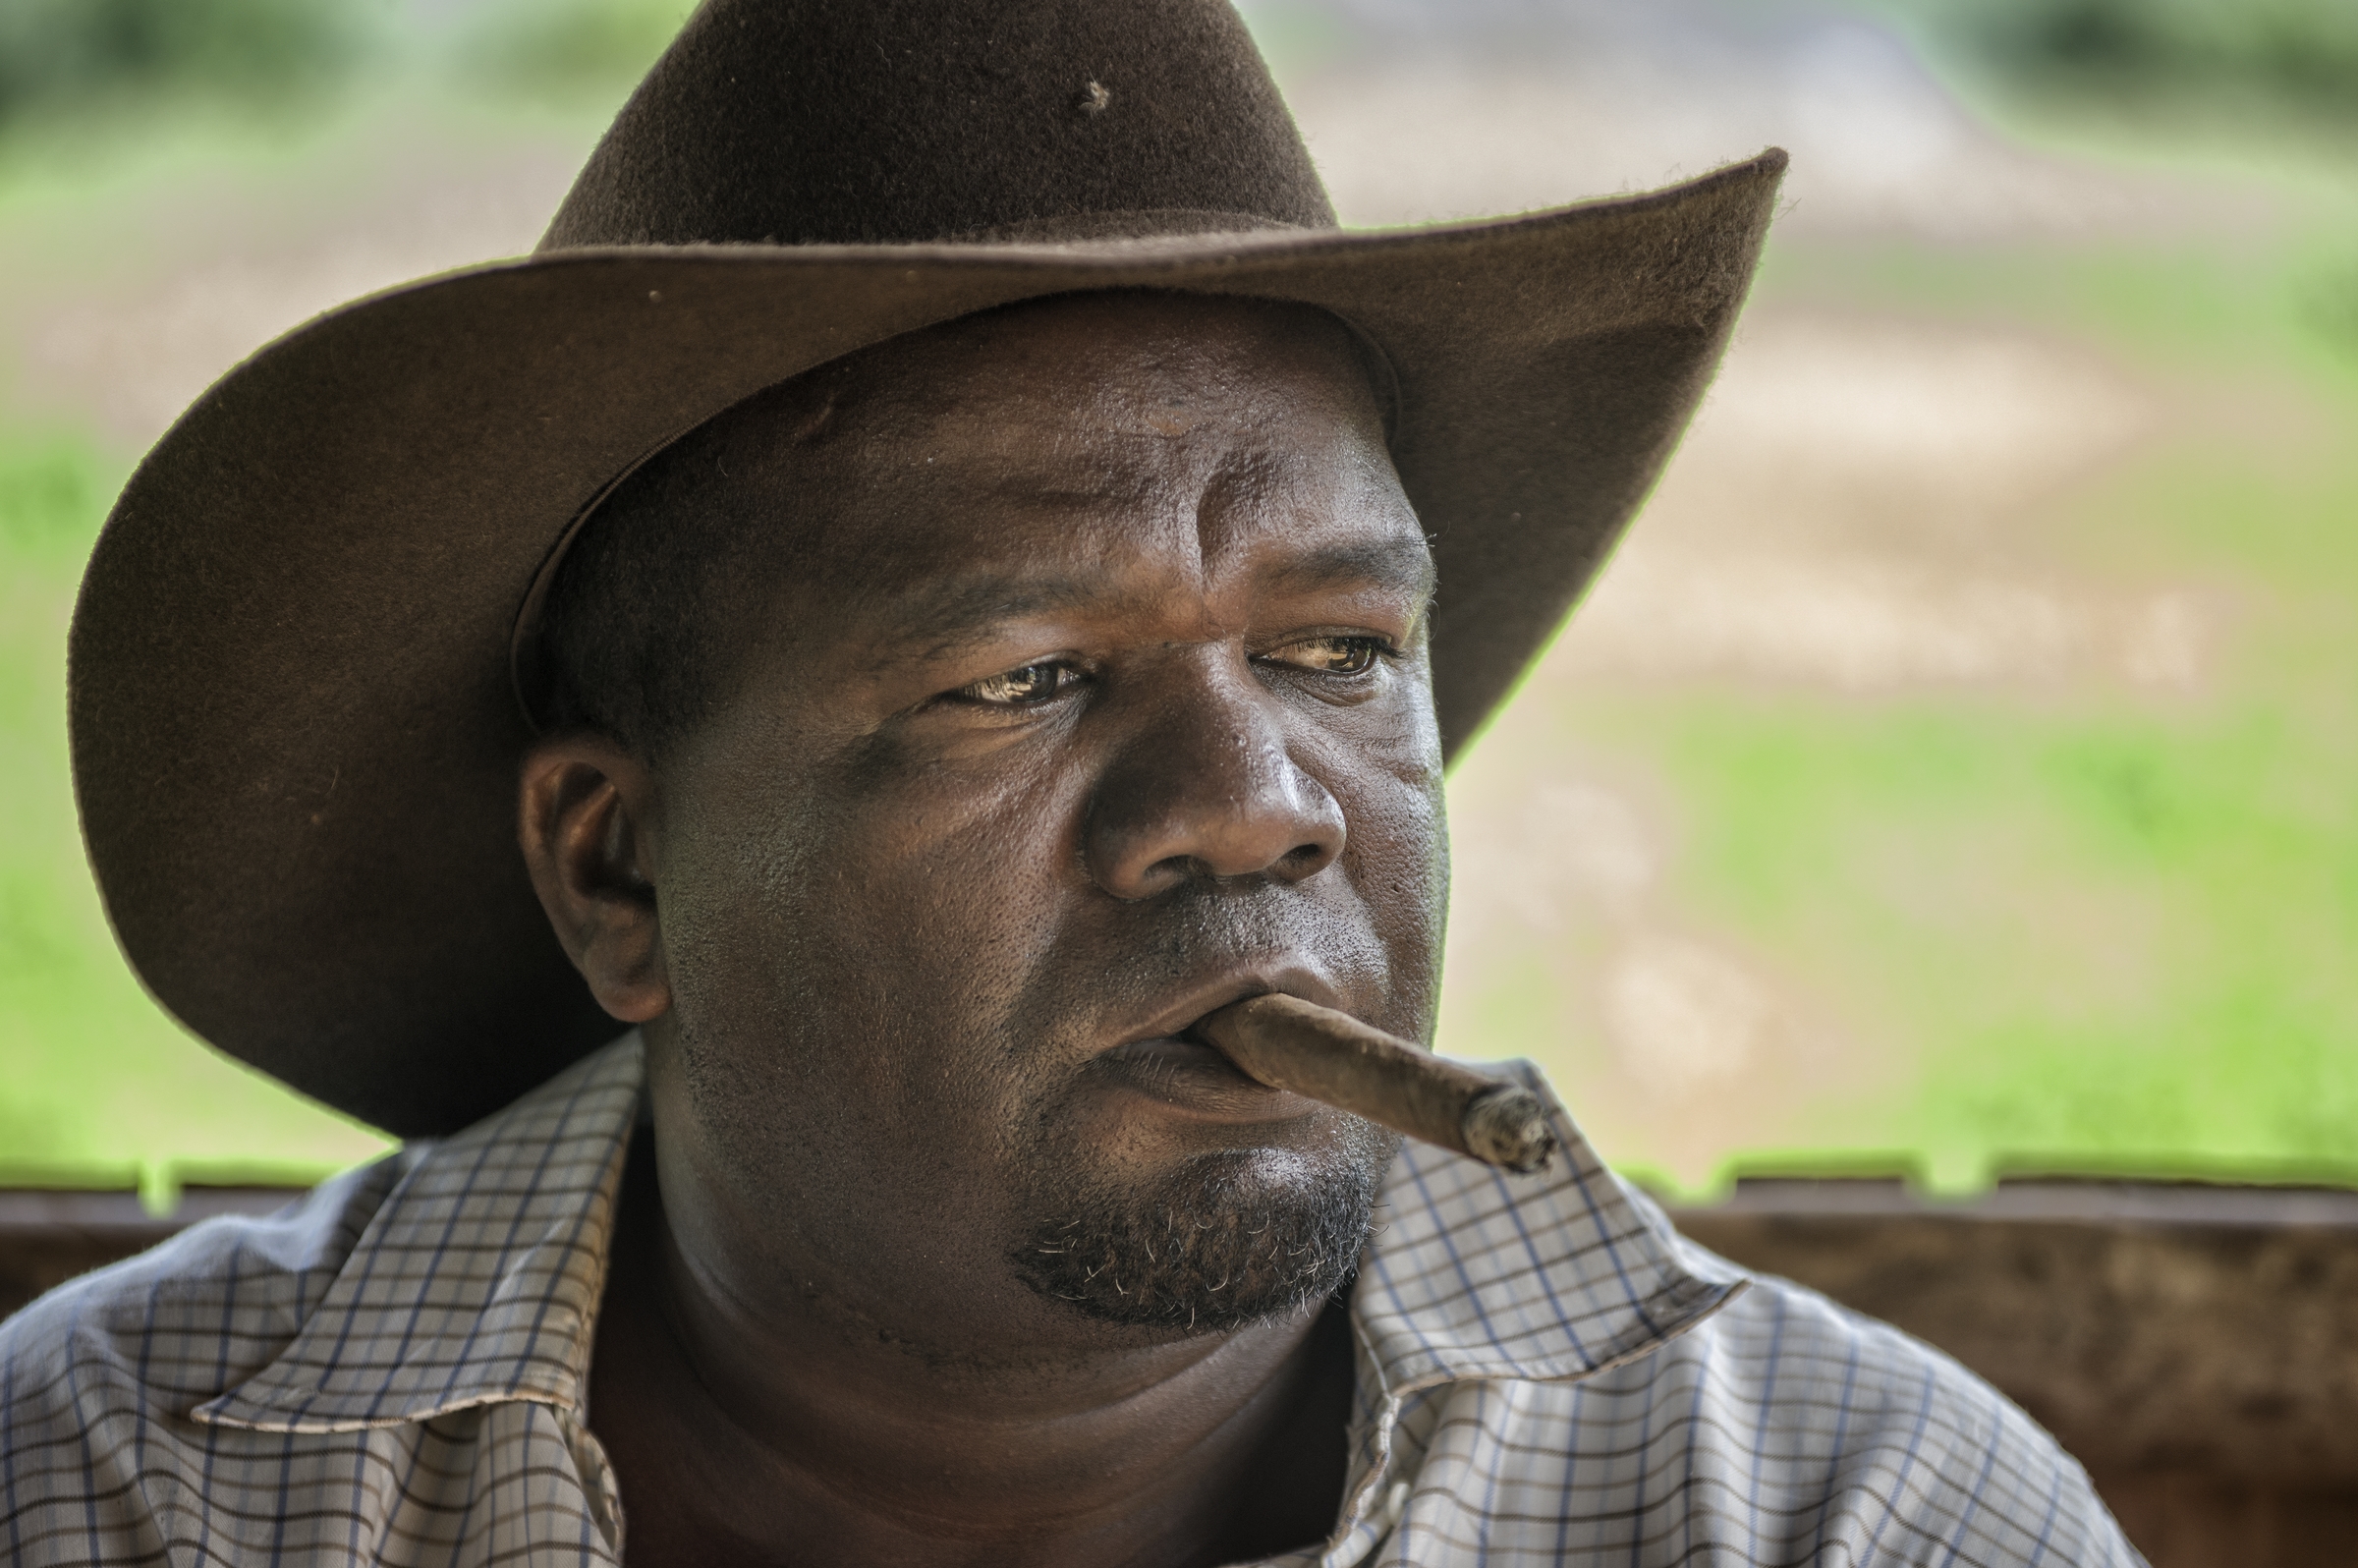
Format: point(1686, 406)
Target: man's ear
point(583, 809)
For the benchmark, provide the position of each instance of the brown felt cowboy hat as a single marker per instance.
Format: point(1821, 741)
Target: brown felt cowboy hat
point(294, 731)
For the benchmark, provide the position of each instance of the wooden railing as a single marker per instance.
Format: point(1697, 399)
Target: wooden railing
point(2196, 1346)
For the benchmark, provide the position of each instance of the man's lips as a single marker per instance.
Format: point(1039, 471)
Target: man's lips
point(1179, 1016)
point(1167, 1063)
point(1178, 1054)
point(1194, 1080)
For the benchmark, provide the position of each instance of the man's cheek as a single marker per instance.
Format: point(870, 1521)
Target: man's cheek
point(958, 899)
point(959, 855)
point(1398, 866)
point(964, 942)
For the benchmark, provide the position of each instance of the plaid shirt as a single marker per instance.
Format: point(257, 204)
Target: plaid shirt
point(393, 1371)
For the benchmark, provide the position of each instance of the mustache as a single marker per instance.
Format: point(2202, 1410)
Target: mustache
point(1139, 958)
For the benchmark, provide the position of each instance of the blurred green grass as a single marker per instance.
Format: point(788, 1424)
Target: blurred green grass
point(2094, 933)
point(2141, 961)
point(114, 102)
point(117, 101)
point(2282, 61)
point(82, 57)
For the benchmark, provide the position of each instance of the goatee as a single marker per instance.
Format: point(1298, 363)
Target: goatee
point(1222, 1243)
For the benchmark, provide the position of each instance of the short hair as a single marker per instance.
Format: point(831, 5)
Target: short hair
point(643, 613)
point(646, 600)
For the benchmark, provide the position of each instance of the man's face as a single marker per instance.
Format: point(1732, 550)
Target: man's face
point(1091, 696)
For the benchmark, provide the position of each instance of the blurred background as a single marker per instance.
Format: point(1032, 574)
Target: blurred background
point(1951, 777)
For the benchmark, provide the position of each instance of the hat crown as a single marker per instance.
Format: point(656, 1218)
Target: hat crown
point(884, 122)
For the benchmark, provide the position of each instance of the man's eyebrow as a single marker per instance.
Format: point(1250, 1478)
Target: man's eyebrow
point(961, 609)
point(1394, 563)
point(941, 616)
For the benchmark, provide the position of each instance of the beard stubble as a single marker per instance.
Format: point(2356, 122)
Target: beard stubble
point(1227, 1240)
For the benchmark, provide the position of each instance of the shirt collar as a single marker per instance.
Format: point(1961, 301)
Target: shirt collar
point(478, 1279)
point(1480, 1274)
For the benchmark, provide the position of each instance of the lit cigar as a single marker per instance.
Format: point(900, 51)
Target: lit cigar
point(1289, 1043)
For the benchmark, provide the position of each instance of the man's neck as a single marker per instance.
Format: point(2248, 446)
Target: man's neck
point(737, 1439)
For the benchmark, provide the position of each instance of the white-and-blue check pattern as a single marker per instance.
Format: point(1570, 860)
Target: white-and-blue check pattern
point(393, 1371)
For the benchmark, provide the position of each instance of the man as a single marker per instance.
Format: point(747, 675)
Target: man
point(1012, 601)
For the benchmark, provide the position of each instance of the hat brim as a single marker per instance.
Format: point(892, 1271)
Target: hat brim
point(294, 737)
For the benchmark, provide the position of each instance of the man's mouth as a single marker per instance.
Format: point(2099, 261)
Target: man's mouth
point(1177, 1019)
point(1179, 1055)
point(1194, 1081)
point(1172, 1065)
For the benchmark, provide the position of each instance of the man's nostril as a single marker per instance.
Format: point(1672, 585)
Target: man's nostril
point(1304, 858)
point(1172, 872)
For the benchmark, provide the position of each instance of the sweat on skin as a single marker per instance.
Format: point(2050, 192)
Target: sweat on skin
point(1078, 689)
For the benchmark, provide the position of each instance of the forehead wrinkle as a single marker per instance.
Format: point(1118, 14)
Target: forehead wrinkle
point(1022, 539)
point(969, 430)
point(1257, 496)
point(1181, 495)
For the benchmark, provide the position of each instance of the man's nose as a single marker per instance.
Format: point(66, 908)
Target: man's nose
point(1208, 788)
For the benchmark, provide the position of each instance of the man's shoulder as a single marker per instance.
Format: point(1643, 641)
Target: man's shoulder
point(1800, 1404)
point(185, 1320)
point(1776, 1340)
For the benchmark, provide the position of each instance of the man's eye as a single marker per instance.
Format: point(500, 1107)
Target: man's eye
point(1027, 687)
point(1332, 655)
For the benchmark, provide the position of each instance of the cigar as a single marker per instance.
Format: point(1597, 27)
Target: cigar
point(1289, 1043)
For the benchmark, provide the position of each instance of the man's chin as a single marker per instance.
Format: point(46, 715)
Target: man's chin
point(1225, 1241)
